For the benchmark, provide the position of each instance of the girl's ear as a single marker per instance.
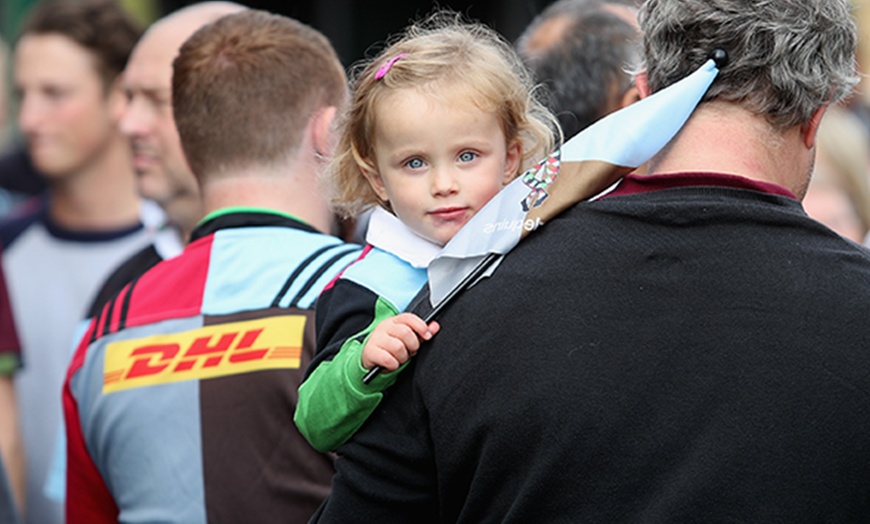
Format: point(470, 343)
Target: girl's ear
point(377, 183)
point(513, 158)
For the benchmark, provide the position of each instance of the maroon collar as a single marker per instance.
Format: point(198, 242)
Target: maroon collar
point(633, 183)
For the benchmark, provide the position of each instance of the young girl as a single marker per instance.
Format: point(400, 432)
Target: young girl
point(438, 124)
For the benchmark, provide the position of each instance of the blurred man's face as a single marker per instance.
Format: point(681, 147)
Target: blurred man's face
point(65, 112)
point(832, 207)
point(158, 160)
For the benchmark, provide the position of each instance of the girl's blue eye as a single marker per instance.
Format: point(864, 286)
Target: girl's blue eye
point(467, 156)
point(415, 163)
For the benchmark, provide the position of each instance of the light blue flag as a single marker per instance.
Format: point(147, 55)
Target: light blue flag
point(586, 165)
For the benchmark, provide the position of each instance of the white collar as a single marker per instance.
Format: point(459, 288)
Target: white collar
point(387, 232)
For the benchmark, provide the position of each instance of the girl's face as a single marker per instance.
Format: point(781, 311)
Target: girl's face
point(439, 160)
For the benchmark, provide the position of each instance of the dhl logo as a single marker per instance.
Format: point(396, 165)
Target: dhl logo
point(213, 351)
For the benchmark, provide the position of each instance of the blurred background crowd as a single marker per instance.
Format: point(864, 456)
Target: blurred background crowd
point(840, 195)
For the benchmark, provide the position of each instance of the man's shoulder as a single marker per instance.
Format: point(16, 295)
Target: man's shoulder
point(132, 268)
point(222, 275)
point(30, 224)
point(147, 289)
point(292, 265)
point(22, 217)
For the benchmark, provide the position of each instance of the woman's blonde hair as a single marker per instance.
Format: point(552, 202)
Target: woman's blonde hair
point(443, 51)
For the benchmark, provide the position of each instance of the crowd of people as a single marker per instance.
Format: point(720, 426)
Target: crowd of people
point(216, 237)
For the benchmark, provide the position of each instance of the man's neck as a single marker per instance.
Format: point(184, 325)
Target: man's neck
point(722, 138)
point(101, 195)
point(289, 189)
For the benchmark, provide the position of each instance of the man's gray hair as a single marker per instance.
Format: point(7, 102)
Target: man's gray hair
point(787, 58)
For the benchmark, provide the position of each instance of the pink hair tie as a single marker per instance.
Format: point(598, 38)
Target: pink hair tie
point(386, 67)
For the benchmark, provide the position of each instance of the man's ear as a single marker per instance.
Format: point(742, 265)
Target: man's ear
point(642, 85)
point(631, 95)
point(116, 99)
point(377, 183)
point(512, 161)
point(810, 129)
point(321, 136)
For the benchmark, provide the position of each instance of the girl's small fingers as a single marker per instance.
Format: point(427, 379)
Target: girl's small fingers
point(412, 322)
point(386, 360)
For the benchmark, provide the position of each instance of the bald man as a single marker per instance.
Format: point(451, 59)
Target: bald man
point(159, 162)
point(162, 173)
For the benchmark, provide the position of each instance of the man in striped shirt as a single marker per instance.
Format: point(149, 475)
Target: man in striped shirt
point(179, 401)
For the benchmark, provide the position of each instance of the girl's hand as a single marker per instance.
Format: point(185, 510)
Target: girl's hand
point(395, 340)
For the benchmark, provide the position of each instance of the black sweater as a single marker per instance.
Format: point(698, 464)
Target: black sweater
point(694, 354)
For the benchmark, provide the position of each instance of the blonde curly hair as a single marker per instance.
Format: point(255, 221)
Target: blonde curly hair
point(441, 52)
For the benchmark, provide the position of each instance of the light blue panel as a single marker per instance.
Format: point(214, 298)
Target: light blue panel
point(248, 267)
point(308, 299)
point(388, 276)
point(146, 441)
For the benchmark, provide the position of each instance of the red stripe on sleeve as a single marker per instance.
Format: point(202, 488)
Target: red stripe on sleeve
point(362, 255)
point(88, 500)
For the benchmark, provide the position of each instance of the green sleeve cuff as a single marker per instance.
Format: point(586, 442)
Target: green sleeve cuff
point(333, 402)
